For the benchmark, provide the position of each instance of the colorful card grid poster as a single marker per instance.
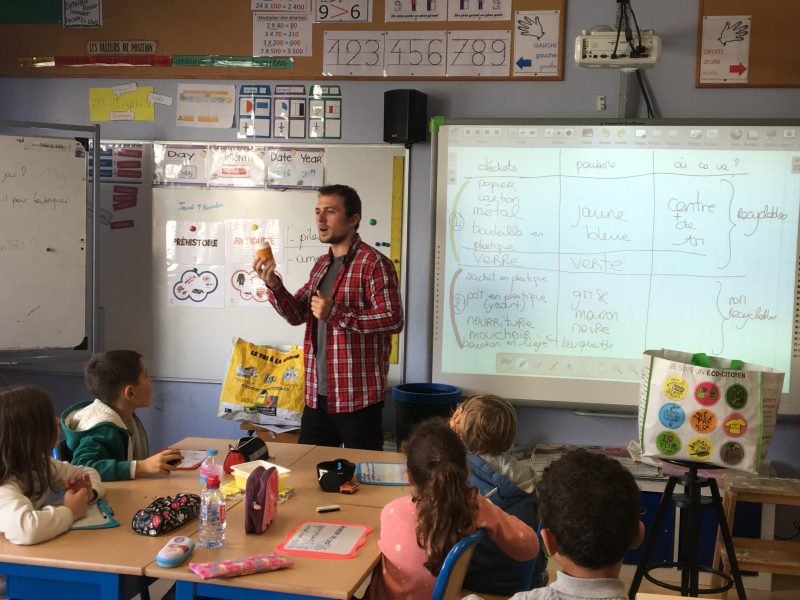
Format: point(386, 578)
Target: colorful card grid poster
point(255, 111)
point(289, 107)
point(325, 112)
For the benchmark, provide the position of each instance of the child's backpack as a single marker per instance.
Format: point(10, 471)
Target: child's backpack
point(247, 449)
point(261, 499)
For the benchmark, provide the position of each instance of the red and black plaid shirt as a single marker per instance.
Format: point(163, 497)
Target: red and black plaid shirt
point(366, 312)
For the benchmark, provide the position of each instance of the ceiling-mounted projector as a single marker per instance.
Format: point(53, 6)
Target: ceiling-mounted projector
point(608, 48)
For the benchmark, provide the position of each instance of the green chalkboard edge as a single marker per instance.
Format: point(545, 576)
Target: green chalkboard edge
point(30, 12)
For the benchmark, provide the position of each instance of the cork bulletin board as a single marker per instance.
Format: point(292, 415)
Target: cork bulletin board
point(773, 58)
point(204, 28)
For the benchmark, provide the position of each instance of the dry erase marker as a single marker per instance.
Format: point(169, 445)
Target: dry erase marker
point(328, 508)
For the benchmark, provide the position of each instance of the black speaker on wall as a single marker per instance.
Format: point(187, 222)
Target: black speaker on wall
point(405, 116)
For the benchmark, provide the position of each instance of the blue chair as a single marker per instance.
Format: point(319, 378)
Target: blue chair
point(451, 577)
point(532, 565)
point(61, 451)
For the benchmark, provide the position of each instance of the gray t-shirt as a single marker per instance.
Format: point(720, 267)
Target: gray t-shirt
point(325, 287)
point(566, 587)
point(138, 447)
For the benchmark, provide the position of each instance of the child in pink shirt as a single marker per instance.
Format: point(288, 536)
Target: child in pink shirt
point(418, 531)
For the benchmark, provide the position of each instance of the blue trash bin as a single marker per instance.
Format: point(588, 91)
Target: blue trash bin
point(415, 402)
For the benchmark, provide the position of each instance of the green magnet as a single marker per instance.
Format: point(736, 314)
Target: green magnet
point(373, 221)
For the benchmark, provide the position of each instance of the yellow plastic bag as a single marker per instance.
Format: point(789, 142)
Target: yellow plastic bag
point(263, 385)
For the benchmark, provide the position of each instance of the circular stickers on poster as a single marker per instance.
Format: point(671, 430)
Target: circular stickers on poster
point(671, 415)
point(704, 421)
point(668, 443)
point(706, 393)
point(675, 387)
point(736, 396)
point(735, 425)
point(731, 453)
point(699, 448)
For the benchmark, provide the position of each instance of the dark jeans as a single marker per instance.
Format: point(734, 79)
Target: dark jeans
point(360, 429)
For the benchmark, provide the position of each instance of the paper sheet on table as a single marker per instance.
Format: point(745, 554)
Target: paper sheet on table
point(191, 459)
point(98, 516)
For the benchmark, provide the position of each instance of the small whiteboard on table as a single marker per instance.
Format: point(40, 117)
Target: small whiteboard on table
point(319, 539)
point(381, 473)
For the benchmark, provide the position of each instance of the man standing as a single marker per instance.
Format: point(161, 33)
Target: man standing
point(351, 307)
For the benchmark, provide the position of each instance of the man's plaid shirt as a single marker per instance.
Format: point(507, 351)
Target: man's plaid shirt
point(365, 314)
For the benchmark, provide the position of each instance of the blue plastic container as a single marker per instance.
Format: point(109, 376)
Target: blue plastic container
point(415, 402)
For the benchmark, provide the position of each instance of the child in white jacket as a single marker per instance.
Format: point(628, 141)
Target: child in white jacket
point(30, 478)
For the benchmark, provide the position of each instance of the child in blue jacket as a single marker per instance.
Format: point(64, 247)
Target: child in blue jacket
point(487, 425)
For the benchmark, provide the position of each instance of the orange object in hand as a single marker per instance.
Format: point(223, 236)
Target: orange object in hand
point(264, 251)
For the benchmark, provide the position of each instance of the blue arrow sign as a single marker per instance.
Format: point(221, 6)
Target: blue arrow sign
point(523, 62)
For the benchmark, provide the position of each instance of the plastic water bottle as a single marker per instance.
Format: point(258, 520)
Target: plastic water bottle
point(212, 515)
point(210, 466)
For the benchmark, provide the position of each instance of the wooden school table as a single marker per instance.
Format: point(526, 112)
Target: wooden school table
point(304, 477)
point(280, 453)
point(308, 578)
point(91, 564)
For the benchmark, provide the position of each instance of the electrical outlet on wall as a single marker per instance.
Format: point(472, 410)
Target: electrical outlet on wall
point(601, 103)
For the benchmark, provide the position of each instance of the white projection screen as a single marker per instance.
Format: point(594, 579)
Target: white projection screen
point(564, 249)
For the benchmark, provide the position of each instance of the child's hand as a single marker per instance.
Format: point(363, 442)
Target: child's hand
point(158, 464)
point(78, 481)
point(77, 501)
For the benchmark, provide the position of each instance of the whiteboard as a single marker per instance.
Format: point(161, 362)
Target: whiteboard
point(43, 242)
point(185, 339)
point(566, 249)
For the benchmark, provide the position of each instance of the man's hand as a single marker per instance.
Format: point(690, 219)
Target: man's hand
point(265, 270)
point(321, 305)
point(77, 502)
point(158, 464)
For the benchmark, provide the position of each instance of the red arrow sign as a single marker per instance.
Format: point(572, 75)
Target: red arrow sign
point(740, 68)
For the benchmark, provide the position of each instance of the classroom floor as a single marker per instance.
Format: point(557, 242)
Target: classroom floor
point(784, 587)
point(157, 589)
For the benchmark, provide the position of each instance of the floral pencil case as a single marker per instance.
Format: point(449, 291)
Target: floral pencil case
point(268, 561)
